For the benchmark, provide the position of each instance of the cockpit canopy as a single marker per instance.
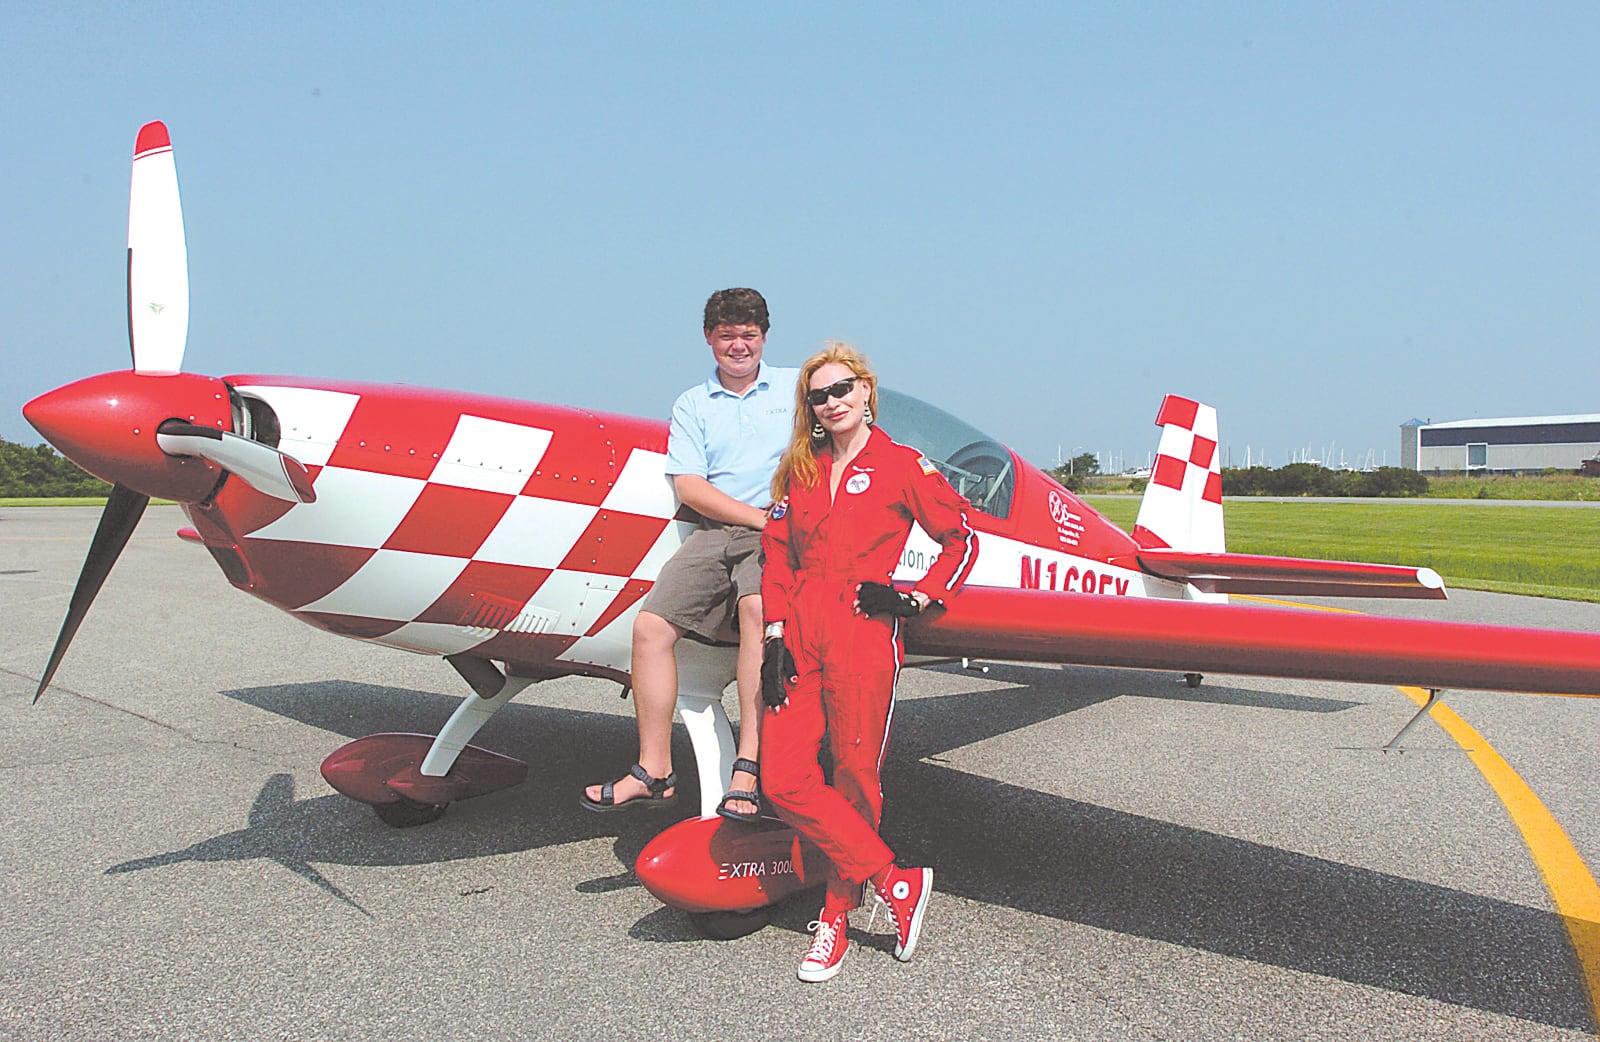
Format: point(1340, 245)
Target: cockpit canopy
point(978, 466)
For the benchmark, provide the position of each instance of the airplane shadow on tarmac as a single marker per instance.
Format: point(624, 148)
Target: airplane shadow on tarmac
point(1016, 847)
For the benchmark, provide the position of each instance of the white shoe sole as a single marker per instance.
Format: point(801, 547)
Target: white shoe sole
point(820, 973)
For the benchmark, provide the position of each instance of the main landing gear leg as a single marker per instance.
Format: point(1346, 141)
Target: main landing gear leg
point(702, 676)
point(711, 734)
point(464, 724)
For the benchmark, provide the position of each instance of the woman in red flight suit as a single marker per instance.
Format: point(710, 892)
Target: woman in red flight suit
point(846, 497)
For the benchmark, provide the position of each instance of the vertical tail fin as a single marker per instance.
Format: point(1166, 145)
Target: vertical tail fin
point(1182, 506)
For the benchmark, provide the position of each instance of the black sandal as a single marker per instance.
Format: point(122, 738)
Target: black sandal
point(749, 767)
point(654, 788)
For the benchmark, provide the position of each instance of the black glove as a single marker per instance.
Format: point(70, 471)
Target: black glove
point(878, 599)
point(777, 669)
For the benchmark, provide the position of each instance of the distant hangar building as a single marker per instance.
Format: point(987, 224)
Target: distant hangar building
point(1520, 444)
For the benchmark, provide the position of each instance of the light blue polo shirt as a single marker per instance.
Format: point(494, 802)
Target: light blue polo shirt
point(734, 441)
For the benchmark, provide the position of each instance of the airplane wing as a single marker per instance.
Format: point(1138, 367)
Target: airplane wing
point(1192, 636)
point(1285, 576)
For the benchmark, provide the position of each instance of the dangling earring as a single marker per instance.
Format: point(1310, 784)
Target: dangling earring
point(867, 419)
point(817, 431)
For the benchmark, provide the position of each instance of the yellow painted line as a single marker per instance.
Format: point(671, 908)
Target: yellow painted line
point(1287, 604)
point(1571, 885)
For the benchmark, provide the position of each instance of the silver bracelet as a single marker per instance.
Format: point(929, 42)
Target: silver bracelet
point(774, 630)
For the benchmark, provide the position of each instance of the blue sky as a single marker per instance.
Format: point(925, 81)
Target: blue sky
point(1323, 219)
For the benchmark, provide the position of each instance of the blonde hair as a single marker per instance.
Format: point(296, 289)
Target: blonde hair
point(799, 463)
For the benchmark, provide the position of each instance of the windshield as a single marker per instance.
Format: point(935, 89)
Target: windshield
point(978, 466)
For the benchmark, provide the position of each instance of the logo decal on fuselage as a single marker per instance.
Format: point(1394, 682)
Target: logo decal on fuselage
point(1069, 525)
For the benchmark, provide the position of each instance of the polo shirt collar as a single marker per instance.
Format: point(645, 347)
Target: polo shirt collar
point(714, 386)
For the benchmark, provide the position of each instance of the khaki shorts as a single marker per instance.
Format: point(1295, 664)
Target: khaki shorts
point(701, 585)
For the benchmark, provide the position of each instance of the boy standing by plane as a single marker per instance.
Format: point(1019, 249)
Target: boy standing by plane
point(723, 447)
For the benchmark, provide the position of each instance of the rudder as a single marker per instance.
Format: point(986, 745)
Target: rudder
point(1182, 506)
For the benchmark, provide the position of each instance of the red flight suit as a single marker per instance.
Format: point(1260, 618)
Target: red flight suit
point(847, 664)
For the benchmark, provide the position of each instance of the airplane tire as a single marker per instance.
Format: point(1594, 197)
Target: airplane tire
point(730, 926)
point(1192, 679)
point(407, 814)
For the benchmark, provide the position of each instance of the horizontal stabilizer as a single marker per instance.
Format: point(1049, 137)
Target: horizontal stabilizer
point(1286, 576)
point(1191, 636)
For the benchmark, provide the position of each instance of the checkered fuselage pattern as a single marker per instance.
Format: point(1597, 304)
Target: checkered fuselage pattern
point(448, 523)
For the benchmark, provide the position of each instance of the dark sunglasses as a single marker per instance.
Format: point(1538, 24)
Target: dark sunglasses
point(838, 390)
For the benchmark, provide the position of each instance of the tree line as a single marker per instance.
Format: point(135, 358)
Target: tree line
point(1082, 474)
point(1311, 479)
point(40, 471)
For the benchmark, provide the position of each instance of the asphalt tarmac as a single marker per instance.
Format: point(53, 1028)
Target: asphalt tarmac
point(1118, 856)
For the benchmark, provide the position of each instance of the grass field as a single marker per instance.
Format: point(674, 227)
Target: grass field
point(1540, 551)
point(65, 501)
point(1505, 486)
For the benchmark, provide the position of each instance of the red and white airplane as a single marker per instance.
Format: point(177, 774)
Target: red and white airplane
point(516, 539)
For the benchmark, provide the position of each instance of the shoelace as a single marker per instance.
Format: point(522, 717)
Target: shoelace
point(827, 935)
point(884, 904)
point(876, 905)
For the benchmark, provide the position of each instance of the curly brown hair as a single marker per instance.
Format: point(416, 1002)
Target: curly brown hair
point(737, 307)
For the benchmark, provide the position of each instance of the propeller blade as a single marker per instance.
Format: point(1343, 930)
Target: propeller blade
point(158, 260)
point(273, 473)
point(122, 513)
